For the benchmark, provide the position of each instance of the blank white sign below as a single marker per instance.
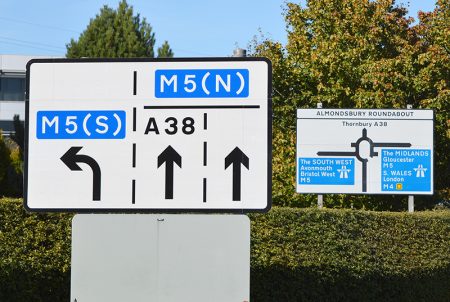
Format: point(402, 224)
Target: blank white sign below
point(164, 258)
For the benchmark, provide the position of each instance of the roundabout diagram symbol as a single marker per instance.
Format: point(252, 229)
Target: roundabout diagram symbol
point(360, 154)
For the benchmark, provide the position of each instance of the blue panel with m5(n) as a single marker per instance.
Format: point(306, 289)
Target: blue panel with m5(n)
point(202, 83)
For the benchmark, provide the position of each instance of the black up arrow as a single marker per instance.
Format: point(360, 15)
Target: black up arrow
point(236, 157)
point(71, 158)
point(169, 156)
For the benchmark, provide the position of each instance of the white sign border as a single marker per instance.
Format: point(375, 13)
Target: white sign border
point(150, 210)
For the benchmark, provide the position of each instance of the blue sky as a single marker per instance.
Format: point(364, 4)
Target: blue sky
point(196, 28)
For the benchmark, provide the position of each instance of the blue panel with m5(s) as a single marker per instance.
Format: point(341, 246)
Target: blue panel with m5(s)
point(83, 124)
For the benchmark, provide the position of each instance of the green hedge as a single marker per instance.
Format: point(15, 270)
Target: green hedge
point(297, 255)
point(345, 255)
point(34, 254)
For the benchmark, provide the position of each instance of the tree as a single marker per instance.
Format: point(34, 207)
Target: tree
point(353, 54)
point(5, 162)
point(116, 34)
point(165, 51)
point(432, 85)
point(19, 134)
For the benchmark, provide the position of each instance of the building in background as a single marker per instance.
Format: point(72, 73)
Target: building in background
point(12, 90)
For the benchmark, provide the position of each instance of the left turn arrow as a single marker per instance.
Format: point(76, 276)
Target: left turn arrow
point(71, 159)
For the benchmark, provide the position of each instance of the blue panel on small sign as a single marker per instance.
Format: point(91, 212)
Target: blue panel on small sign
point(406, 170)
point(326, 171)
point(81, 124)
point(201, 83)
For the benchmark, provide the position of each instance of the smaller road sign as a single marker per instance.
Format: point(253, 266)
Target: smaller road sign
point(365, 151)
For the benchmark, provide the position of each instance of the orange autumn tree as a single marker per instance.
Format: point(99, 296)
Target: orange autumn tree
point(357, 54)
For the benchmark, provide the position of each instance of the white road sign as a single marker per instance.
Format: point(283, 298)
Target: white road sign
point(168, 134)
point(365, 151)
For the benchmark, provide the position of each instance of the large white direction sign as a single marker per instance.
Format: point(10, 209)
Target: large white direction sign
point(174, 134)
point(365, 151)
